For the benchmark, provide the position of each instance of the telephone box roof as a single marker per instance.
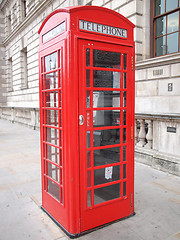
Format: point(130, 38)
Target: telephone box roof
point(74, 9)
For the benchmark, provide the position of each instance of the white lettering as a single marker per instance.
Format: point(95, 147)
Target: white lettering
point(99, 28)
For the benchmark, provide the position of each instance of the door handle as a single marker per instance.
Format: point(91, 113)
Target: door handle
point(81, 119)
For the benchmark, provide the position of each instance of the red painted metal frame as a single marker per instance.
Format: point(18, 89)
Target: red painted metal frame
point(71, 42)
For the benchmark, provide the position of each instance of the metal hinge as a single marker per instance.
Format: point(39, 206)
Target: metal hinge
point(131, 132)
point(132, 62)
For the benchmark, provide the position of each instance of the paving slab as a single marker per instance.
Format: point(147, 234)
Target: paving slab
point(157, 197)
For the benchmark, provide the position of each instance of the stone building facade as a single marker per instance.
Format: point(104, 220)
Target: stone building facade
point(157, 70)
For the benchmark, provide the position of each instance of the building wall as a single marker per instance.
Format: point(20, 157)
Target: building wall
point(2, 63)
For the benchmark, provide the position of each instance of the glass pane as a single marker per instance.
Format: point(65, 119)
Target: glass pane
point(51, 62)
point(52, 136)
point(159, 7)
point(89, 179)
point(173, 22)
point(105, 175)
point(87, 57)
point(106, 59)
point(51, 99)
point(89, 198)
point(106, 99)
point(106, 156)
point(59, 58)
point(124, 80)
point(124, 135)
point(171, 4)
point(124, 99)
point(106, 137)
point(160, 26)
point(124, 171)
point(53, 154)
point(124, 117)
point(124, 189)
point(160, 46)
point(52, 117)
point(62, 195)
point(106, 118)
point(106, 79)
point(51, 81)
point(125, 61)
point(87, 78)
point(172, 43)
point(53, 189)
point(60, 157)
point(88, 139)
point(106, 193)
point(61, 176)
point(88, 159)
point(124, 153)
point(53, 171)
point(88, 99)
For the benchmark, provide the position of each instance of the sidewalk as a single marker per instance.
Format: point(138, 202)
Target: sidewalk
point(157, 197)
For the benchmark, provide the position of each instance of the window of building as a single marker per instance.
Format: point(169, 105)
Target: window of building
point(10, 75)
point(166, 21)
point(24, 69)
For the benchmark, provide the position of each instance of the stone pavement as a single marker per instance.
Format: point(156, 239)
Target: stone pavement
point(157, 197)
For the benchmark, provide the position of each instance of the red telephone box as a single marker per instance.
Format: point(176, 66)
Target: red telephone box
point(87, 117)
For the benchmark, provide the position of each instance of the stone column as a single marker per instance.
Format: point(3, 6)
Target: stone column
point(149, 135)
point(142, 134)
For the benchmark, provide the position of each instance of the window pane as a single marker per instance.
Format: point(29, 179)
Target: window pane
point(171, 4)
point(172, 43)
point(87, 78)
point(89, 198)
point(51, 81)
point(106, 156)
point(89, 179)
point(53, 171)
point(51, 62)
point(106, 99)
point(124, 117)
point(88, 159)
point(106, 79)
point(106, 193)
point(124, 153)
point(51, 99)
point(106, 118)
point(53, 189)
point(87, 57)
point(53, 154)
point(124, 80)
point(160, 46)
point(160, 26)
point(88, 99)
point(125, 61)
point(88, 139)
point(106, 59)
point(124, 189)
point(159, 7)
point(105, 175)
point(106, 137)
point(52, 136)
point(52, 117)
point(173, 22)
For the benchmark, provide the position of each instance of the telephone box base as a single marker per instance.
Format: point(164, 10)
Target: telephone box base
point(76, 235)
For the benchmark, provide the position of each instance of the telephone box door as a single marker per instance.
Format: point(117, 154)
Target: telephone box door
point(106, 118)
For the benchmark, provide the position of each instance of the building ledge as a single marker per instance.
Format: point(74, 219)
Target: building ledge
point(158, 61)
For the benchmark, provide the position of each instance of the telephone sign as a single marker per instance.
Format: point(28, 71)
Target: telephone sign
point(86, 84)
